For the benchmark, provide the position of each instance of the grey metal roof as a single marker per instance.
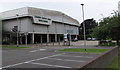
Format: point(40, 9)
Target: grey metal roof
point(31, 11)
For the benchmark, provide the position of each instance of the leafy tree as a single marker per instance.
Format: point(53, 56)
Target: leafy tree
point(108, 28)
point(89, 24)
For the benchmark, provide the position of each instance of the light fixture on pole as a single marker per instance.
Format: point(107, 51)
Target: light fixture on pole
point(83, 26)
point(17, 30)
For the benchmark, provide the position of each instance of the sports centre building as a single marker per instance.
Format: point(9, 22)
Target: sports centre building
point(34, 25)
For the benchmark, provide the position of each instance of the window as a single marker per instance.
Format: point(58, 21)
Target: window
point(43, 21)
point(37, 16)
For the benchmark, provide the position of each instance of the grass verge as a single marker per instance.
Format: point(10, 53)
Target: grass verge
point(115, 63)
point(91, 50)
point(15, 47)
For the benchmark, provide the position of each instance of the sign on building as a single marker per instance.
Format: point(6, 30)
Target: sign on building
point(42, 20)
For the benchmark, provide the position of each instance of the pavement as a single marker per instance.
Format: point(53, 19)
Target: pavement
point(77, 43)
point(88, 43)
point(44, 57)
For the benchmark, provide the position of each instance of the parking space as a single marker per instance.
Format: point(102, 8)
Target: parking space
point(58, 60)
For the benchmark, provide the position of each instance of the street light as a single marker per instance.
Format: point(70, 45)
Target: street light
point(17, 31)
point(83, 26)
point(64, 31)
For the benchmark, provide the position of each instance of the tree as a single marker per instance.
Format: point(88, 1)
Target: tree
point(109, 27)
point(89, 24)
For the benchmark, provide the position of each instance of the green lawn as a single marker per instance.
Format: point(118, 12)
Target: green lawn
point(15, 47)
point(115, 62)
point(92, 50)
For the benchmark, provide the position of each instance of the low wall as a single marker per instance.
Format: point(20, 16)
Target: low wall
point(101, 61)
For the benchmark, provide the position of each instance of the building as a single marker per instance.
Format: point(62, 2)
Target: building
point(119, 7)
point(36, 25)
point(89, 24)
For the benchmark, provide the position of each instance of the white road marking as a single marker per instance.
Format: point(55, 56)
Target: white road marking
point(12, 65)
point(46, 58)
point(76, 56)
point(30, 61)
point(42, 49)
point(65, 60)
point(38, 50)
point(50, 65)
point(43, 58)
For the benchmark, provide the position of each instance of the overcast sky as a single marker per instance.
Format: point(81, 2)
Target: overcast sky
point(96, 9)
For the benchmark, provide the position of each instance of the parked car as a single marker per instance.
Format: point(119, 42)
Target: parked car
point(89, 38)
point(93, 39)
point(75, 39)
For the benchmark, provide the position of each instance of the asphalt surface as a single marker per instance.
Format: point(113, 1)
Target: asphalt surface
point(43, 57)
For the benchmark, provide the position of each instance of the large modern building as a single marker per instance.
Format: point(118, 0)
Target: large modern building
point(34, 25)
point(119, 7)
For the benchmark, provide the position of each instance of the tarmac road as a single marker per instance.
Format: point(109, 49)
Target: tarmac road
point(43, 57)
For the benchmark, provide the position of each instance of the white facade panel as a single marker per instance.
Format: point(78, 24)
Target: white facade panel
point(60, 28)
point(52, 28)
point(8, 25)
point(36, 27)
point(40, 28)
point(21, 23)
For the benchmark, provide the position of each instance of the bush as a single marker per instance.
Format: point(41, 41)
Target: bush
point(105, 43)
point(6, 42)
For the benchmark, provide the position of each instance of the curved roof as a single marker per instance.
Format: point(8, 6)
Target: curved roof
point(30, 11)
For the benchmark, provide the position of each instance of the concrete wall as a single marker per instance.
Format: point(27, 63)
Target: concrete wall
point(22, 24)
point(35, 27)
point(26, 25)
point(60, 28)
point(103, 60)
point(54, 28)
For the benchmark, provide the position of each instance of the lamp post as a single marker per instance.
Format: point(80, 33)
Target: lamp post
point(17, 31)
point(64, 31)
point(83, 26)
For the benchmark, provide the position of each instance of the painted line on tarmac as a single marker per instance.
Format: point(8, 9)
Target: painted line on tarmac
point(38, 50)
point(43, 58)
point(12, 65)
point(30, 61)
point(76, 56)
point(50, 65)
point(65, 60)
